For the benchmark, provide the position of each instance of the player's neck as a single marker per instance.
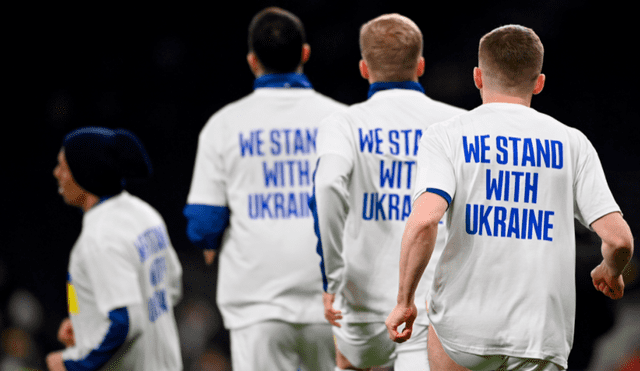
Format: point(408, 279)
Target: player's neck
point(373, 78)
point(490, 96)
point(260, 71)
point(90, 201)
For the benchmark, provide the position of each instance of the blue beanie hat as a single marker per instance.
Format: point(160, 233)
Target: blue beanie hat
point(101, 159)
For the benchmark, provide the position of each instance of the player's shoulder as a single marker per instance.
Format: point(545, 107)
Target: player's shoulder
point(441, 112)
point(577, 139)
point(230, 109)
point(410, 103)
point(570, 130)
point(553, 124)
point(218, 122)
point(340, 119)
point(248, 108)
point(446, 108)
point(120, 213)
point(455, 119)
point(112, 227)
point(316, 107)
point(378, 103)
point(328, 101)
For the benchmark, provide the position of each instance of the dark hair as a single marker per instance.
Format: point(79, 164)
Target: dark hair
point(276, 37)
point(513, 54)
point(100, 159)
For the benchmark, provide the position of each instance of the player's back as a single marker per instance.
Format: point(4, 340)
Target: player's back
point(266, 148)
point(382, 134)
point(160, 277)
point(507, 276)
point(124, 244)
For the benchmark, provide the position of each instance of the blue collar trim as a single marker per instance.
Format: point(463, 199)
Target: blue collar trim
point(100, 200)
point(379, 86)
point(104, 198)
point(282, 80)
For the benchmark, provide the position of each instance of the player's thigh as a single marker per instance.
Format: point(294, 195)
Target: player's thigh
point(412, 354)
point(442, 357)
point(316, 347)
point(476, 362)
point(365, 344)
point(530, 364)
point(504, 363)
point(267, 345)
point(439, 358)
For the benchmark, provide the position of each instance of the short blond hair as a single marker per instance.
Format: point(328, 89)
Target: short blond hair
point(511, 56)
point(391, 45)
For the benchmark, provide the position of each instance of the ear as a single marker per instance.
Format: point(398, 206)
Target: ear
point(364, 70)
point(539, 84)
point(420, 68)
point(254, 63)
point(306, 52)
point(251, 60)
point(477, 77)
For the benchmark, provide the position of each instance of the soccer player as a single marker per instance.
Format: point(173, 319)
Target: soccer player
point(363, 187)
point(249, 201)
point(512, 180)
point(124, 276)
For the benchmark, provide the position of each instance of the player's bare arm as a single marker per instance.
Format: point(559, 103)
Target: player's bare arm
point(617, 250)
point(418, 241)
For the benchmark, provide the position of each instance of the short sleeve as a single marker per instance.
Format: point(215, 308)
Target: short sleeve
point(435, 167)
point(208, 185)
point(113, 273)
point(335, 137)
point(593, 198)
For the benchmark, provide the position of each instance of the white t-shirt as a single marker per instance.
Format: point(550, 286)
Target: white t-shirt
point(517, 178)
point(123, 257)
point(378, 139)
point(256, 156)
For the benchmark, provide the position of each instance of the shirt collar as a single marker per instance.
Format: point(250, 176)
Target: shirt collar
point(282, 80)
point(379, 86)
point(103, 199)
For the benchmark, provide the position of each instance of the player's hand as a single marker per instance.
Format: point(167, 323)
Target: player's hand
point(209, 255)
point(401, 314)
point(332, 315)
point(610, 284)
point(65, 333)
point(55, 362)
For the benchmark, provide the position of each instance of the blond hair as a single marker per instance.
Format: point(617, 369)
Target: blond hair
point(391, 45)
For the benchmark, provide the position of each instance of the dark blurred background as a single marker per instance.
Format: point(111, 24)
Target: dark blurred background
point(162, 70)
